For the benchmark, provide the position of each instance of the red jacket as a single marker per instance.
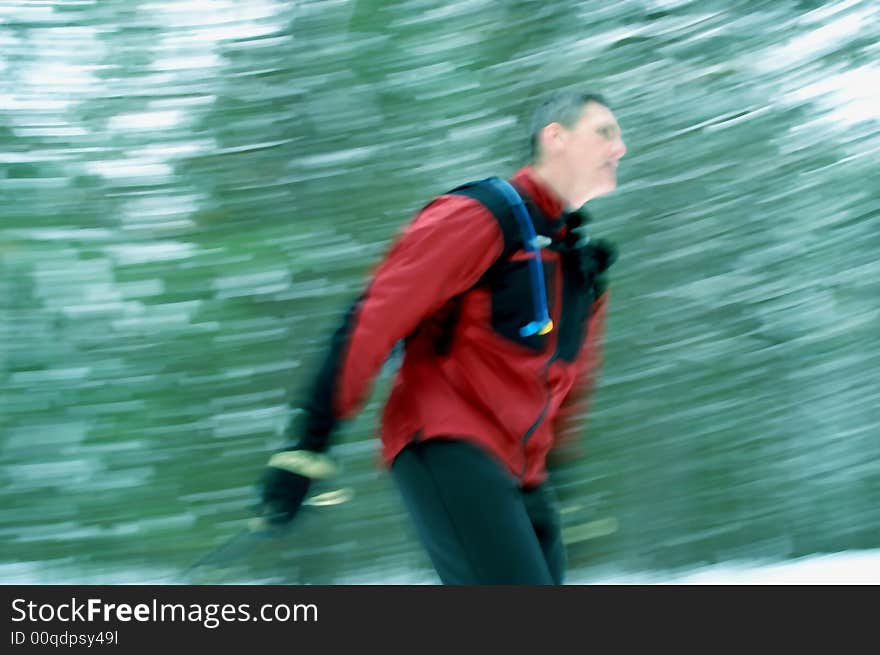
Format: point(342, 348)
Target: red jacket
point(507, 395)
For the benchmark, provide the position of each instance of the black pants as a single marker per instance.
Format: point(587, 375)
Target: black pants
point(477, 525)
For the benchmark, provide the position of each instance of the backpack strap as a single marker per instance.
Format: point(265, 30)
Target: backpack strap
point(488, 195)
point(507, 207)
point(443, 325)
point(541, 323)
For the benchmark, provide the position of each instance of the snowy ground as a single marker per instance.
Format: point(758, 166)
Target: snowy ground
point(852, 567)
point(848, 568)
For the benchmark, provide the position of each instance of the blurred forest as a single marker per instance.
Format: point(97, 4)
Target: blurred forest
point(193, 191)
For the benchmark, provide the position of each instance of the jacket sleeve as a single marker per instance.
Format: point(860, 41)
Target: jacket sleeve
point(443, 252)
point(572, 413)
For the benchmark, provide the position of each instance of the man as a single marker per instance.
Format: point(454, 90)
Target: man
point(502, 304)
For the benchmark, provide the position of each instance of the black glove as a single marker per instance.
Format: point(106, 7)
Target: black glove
point(286, 481)
point(282, 494)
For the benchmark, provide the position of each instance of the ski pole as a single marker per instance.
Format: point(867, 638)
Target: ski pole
point(257, 530)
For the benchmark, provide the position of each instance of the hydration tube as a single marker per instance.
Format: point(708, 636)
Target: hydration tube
point(542, 323)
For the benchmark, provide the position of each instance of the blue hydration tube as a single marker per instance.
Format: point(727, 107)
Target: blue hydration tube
point(542, 323)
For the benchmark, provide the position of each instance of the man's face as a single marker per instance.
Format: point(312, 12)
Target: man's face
point(591, 150)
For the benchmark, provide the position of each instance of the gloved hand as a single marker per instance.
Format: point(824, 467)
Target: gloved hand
point(286, 481)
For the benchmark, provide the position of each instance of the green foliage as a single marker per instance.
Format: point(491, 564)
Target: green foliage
point(192, 199)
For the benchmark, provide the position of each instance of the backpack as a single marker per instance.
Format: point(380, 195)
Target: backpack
point(516, 216)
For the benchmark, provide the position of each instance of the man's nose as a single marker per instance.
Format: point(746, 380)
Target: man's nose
point(619, 149)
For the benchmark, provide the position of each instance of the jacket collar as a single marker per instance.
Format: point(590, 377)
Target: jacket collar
point(544, 197)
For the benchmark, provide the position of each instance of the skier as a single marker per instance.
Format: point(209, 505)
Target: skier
point(501, 302)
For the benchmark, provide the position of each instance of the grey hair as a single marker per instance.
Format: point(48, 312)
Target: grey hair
point(564, 107)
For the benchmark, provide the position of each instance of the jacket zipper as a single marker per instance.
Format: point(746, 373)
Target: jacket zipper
point(525, 438)
point(541, 416)
point(563, 315)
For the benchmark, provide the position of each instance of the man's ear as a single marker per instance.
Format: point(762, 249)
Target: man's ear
point(552, 136)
